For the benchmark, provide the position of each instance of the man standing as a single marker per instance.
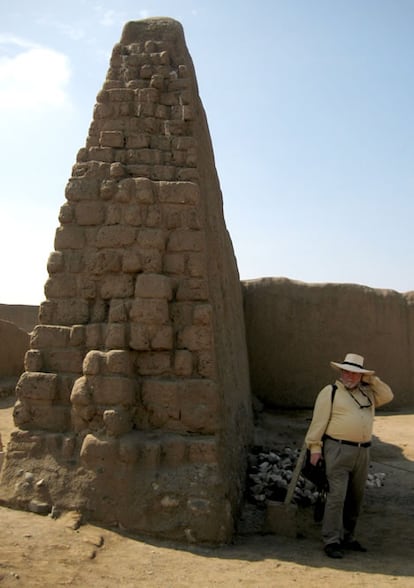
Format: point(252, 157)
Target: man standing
point(342, 429)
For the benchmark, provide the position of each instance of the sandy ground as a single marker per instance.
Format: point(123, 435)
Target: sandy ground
point(39, 551)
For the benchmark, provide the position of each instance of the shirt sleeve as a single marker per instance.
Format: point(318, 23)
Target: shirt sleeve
point(320, 419)
point(381, 391)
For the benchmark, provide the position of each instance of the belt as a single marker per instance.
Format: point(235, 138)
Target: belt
point(353, 443)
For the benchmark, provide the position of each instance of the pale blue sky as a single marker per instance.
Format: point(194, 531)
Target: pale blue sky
point(310, 110)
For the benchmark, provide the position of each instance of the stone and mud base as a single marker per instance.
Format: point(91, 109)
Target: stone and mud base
point(42, 551)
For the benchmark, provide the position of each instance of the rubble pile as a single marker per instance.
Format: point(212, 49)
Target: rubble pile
point(270, 471)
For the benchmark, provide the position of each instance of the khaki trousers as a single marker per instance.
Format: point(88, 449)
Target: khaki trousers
point(347, 470)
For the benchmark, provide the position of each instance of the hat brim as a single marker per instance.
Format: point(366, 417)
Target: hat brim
point(351, 368)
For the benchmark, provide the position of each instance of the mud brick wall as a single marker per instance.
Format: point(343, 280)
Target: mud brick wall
point(134, 406)
point(295, 329)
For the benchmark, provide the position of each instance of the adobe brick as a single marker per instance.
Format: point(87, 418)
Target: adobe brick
point(174, 450)
point(195, 338)
point(63, 360)
point(33, 361)
point(139, 337)
point(206, 364)
point(151, 260)
point(37, 386)
point(178, 192)
point(132, 215)
point(86, 288)
point(150, 454)
point(143, 190)
point(50, 417)
point(183, 362)
point(80, 188)
point(188, 174)
point(103, 262)
point(153, 286)
point(44, 336)
point(108, 189)
point(93, 363)
point(66, 213)
point(114, 390)
point(117, 286)
point(97, 453)
point(101, 154)
point(117, 422)
point(160, 399)
point(117, 171)
point(199, 406)
point(153, 363)
point(137, 141)
point(55, 262)
point(94, 335)
point(119, 362)
point(131, 262)
point(183, 143)
point(203, 314)
point(111, 139)
point(174, 263)
point(115, 337)
point(69, 237)
point(163, 172)
point(151, 239)
point(146, 310)
point(203, 450)
point(60, 286)
point(121, 95)
point(115, 236)
point(186, 240)
point(113, 214)
point(70, 312)
point(192, 289)
point(89, 213)
point(77, 335)
point(163, 338)
point(118, 311)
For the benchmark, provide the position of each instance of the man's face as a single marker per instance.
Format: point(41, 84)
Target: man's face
point(350, 379)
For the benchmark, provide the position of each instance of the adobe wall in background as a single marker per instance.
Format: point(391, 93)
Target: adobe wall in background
point(295, 329)
point(14, 343)
point(23, 316)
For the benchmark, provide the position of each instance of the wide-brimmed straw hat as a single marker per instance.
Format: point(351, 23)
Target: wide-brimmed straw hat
point(352, 363)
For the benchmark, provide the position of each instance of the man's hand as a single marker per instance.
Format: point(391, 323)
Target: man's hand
point(315, 457)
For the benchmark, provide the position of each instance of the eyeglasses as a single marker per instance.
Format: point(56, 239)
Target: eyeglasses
point(367, 397)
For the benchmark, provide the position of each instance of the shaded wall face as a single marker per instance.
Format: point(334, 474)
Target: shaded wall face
point(295, 329)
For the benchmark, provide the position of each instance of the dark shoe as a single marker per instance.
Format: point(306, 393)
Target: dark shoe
point(353, 545)
point(334, 550)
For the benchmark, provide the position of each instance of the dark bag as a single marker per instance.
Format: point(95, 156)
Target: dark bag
point(315, 473)
point(319, 506)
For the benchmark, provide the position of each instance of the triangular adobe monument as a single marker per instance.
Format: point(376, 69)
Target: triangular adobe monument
point(134, 408)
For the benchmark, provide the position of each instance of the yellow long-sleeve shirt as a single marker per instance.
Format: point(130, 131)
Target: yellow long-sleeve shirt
point(345, 419)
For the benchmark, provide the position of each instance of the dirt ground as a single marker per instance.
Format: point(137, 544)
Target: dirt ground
point(40, 551)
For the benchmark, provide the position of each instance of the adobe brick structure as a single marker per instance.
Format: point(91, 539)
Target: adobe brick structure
point(134, 407)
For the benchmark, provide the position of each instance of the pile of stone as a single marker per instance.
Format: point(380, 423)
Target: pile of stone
point(270, 471)
point(269, 474)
